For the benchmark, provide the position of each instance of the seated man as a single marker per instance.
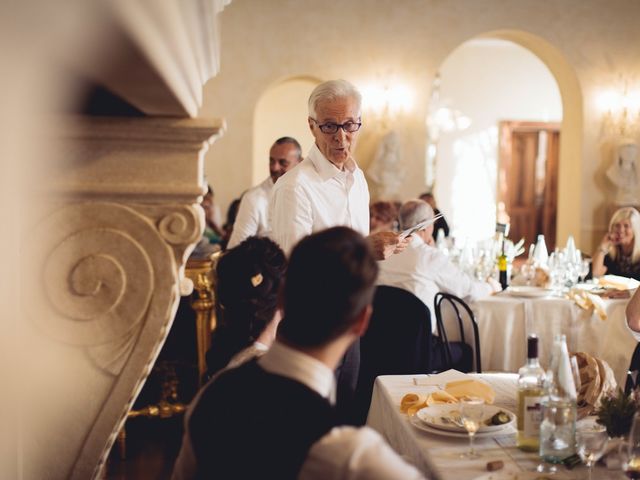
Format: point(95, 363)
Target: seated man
point(274, 417)
point(423, 270)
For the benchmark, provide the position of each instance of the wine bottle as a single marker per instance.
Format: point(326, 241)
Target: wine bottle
point(502, 269)
point(530, 392)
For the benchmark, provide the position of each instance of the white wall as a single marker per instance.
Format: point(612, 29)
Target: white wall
point(489, 81)
point(264, 42)
point(281, 111)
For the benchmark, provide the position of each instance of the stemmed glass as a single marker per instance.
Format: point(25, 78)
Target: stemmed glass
point(630, 451)
point(471, 410)
point(591, 442)
point(585, 267)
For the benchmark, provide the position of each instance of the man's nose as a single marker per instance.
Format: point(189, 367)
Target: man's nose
point(340, 134)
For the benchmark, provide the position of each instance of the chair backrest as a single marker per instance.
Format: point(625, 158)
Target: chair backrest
point(463, 314)
point(398, 340)
point(633, 374)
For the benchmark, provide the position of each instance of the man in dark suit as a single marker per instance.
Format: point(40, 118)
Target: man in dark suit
point(274, 417)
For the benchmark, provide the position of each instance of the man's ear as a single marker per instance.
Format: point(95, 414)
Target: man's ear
point(362, 321)
point(280, 298)
point(310, 122)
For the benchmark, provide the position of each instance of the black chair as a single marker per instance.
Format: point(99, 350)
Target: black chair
point(633, 374)
point(457, 354)
point(398, 341)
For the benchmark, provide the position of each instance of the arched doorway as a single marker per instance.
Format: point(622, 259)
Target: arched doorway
point(569, 185)
point(511, 87)
point(281, 111)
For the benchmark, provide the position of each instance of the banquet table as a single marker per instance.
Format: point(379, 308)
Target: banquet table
point(504, 321)
point(438, 456)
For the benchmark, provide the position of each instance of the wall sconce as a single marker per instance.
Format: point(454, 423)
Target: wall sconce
point(621, 111)
point(388, 101)
point(440, 118)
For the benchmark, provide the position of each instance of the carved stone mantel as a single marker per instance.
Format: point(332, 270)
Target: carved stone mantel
point(107, 256)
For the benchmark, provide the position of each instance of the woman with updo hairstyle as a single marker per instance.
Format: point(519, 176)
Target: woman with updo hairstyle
point(249, 278)
point(382, 217)
point(619, 250)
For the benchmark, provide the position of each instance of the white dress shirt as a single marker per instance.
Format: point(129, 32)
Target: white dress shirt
point(252, 218)
point(424, 271)
point(256, 349)
point(345, 453)
point(635, 334)
point(317, 195)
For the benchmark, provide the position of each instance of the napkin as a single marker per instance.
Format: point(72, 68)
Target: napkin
point(618, 282)
point(471, 388)
point(588, 301)
point(440, 397)
point(412, 402)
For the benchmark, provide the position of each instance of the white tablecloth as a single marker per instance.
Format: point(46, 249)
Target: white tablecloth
point(505, 321)
point(439, 456)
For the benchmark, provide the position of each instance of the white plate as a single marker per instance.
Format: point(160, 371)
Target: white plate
point(433, 417)
point(420, 425)
point(528, 291)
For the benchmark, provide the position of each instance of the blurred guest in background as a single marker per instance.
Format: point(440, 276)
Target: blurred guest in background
point(227, 228)
point(619, 250)
point(423, 270)
point(383, 216)
point(441, 223)
point(249, 277)
point(252, 217)
point(212, 217)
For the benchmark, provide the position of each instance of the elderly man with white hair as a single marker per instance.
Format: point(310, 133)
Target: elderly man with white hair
point(423, 270)
point(328, 188)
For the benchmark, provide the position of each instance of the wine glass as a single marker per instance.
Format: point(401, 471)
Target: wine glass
point(585, 268)
point(575, 371)
point(591, 441)
point(630, 451)
point(471, 410)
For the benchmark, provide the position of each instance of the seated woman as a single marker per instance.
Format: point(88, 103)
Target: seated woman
point(619, 250)
point(383, 217)
point(249, 277)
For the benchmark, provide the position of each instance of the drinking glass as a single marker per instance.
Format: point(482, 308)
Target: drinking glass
point(591, 441)
point(471, 410)
point(557, 433)
point(585, 268)
point(630, 451)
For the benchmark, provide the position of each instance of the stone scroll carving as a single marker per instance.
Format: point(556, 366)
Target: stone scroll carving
point(102, 285)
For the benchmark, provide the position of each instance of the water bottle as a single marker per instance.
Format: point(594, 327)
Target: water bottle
point(558, 427)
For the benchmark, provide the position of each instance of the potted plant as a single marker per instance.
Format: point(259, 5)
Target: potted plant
point(616, 411)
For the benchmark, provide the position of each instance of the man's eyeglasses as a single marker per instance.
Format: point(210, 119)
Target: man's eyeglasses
point(348, 127)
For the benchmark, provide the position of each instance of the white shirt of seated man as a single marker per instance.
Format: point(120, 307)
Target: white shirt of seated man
point(327, 189)
point(253, 213)
point(423, 270)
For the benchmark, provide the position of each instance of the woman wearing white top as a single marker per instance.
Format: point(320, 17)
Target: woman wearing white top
point(249, 277)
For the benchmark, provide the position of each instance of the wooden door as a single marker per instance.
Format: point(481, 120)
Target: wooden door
point(528, 179)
